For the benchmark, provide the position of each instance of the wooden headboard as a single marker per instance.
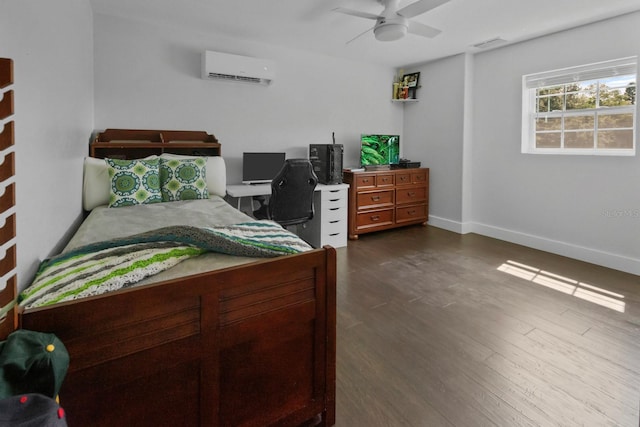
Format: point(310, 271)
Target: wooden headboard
point(7, 200)
point(138, 143)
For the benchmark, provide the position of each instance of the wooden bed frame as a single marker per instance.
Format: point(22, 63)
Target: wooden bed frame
point(245, 346)
point(252, 345)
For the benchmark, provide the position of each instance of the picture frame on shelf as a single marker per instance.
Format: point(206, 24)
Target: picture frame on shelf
point(410, 81)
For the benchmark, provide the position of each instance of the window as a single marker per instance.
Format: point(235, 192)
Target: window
point(589, 109)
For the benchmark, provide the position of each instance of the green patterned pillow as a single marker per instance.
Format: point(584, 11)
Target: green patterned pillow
point(133, 182)
point(183, 179)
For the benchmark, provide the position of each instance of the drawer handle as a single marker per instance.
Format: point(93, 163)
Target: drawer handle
point(403, 178)
point(375, 217)
point(334, 209)
point(411, 194)
point(412, 212)
point(375, 198)
point(334, 222)
point(334, 234)
point(334, 200)
point(365, 180)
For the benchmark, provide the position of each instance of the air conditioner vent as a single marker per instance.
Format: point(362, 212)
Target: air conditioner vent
point(489, 43)
point(235, 78)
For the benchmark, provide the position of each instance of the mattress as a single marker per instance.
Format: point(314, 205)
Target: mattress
point(105, 223)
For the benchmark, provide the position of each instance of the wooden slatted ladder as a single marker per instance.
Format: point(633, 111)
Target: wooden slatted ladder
point(8, 322)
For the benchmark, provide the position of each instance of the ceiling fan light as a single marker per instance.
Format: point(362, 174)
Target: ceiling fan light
point(390, 32)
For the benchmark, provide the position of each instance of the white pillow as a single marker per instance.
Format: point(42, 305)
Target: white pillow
point(95, 184)
point(216, 172)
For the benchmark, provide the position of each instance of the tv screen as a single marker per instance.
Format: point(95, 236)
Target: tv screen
point(379, 149)
point(259, 168)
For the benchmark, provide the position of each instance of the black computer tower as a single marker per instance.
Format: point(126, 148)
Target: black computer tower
point(327, 162)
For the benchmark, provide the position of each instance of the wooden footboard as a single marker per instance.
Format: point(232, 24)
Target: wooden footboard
point(252, 345)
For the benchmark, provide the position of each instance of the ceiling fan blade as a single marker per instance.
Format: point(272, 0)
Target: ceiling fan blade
point(420, 7)
point(422, 30)
point(360, 35)
point(357, 13)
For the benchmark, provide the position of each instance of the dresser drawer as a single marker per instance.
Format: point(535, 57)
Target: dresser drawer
point(334, 199)
point(375, 199)
point(334, 214)
point(414, 213)
point(337, 240)
point(363, 181)
point(385, 180)
point(334, 226)
point(335, 194)
point(383, 217)
point(403, 178)
point(411, 195)
point(419, 177)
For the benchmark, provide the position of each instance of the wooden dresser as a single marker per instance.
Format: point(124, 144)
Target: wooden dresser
point(380, 200)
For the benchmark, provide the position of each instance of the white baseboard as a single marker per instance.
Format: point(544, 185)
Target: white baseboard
point(591, 255)
point(447, 224)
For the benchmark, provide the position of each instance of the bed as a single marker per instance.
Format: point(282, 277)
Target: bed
point(217, 340)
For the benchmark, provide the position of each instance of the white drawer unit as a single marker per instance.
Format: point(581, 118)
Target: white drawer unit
point(330, 223)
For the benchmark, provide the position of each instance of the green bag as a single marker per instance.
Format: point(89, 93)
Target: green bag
point(32, 362)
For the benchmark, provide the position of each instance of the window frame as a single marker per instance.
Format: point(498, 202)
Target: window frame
point(575, 75)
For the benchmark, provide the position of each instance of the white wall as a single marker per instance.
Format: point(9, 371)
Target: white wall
point(51, 44)
point(434, 134)
point(586, 207)
point(147, 76)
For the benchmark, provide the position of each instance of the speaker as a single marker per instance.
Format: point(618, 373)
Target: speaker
point(327, 162)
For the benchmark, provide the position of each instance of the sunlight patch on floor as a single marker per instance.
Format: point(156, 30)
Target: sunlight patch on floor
point(565, 285)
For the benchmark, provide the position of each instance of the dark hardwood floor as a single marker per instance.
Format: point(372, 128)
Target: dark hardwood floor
point(440, 329)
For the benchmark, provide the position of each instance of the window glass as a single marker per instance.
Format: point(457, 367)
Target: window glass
point(615, 139)
point(549, 123)
point(578, 139)
point(548, 140)
point(579, 122)
point(608, 121)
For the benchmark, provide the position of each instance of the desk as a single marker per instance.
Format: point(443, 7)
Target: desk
point(239, 191)
point(329, 224)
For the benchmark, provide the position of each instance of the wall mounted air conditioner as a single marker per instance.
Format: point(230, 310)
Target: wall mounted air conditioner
point(225, 66)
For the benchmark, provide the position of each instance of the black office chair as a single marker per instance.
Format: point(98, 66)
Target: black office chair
point(291, 200)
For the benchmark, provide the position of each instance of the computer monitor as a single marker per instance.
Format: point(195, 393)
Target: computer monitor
point(260, 168)
point(379, 149)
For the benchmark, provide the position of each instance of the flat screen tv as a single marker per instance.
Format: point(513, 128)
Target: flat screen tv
point(260, 168)
point(376, 149)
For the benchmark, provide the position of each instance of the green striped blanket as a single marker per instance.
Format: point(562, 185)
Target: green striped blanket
point(110, 265)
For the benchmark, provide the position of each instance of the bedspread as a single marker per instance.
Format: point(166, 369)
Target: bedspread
point(110, 265)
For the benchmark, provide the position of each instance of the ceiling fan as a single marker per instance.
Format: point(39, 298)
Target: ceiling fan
point(393, 23)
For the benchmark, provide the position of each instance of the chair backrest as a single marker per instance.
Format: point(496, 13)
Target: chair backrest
point(292, 190)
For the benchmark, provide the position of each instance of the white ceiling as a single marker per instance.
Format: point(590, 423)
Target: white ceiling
point(311, 25)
